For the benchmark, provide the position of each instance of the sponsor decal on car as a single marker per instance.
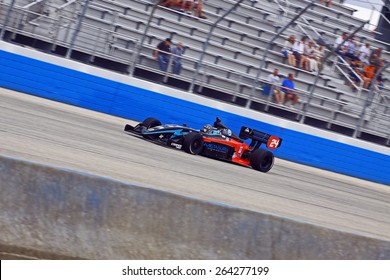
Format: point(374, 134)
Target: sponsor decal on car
point(177, 146)
point(215, 147)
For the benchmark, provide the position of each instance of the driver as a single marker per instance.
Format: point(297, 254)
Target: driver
point(207, 128)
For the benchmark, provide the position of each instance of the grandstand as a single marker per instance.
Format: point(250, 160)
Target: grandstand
point(227, 56)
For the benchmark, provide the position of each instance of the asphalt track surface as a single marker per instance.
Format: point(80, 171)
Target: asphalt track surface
point(52, 133)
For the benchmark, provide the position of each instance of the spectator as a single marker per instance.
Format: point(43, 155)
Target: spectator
point(287, 50)
point(319, 54)
point(274, 84)
point(162, 53)
point(339, 46)
point(199, 9)
point(288, 90)
point(177, 51)
point(368, 74)
point(328, 3)
point(168, 3)
point(376, 59)
point(364, 52)
point(189, 5)
point(298, 49)
point(355, 73)
point(350, 48)
point(311, 61)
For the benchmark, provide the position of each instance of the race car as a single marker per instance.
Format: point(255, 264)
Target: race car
point(216, 141)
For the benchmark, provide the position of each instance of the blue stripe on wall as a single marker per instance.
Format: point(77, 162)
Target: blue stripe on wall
point(84, 90)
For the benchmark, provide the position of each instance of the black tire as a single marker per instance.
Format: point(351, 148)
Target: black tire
point(193, 143)
point(262, 160)
point(151, 122)
point(148, 123)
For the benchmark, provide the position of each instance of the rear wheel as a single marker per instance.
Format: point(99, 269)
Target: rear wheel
point(149, 123)
point(262, 160)
point(193, 143)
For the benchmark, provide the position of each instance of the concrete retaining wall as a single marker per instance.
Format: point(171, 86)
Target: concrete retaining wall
point(78, 84)
point(73, 214)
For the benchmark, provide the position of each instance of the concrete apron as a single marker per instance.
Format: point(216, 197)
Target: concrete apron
point(47, 212)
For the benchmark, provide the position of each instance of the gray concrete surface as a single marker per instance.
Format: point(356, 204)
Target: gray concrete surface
point(83, 216)
point(73, 138)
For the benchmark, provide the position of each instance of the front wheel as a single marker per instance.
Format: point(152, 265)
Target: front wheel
point(193, 143)
point(262, 160)
point(149, 123)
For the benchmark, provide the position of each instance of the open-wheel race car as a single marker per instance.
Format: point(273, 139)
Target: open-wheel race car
point(216, 141)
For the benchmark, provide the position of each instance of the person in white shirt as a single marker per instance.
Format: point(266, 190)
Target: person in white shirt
point(274, 82)
point(364, 52)
point(311, 61)
point(287, 50)
point(319, 54)
point(351, 48)
point(340, 47)
point(298, 49)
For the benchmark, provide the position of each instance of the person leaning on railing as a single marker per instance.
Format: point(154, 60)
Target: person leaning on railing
point(162, 54)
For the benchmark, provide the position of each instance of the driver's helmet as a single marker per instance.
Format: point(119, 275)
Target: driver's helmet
point(207, 128)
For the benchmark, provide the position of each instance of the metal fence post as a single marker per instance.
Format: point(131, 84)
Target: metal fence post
point(8, 15)
point(77, 29)
point(206, 43)
point(141, 43)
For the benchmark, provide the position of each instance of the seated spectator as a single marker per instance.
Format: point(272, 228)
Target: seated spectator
point(365, 60)
point(328, 3)
point(340, 45)
point(187, 5)
point(364, 52)
point(350, 48)
point(199, 9)
point(162, 54)
point(274, 86)
point(195, 6)
point(287, 50)
point(376, 59)
point(319, 54)
point(311, 61)
point(287, 88)
point(298, 51)
point(177, 52)
point(355, 73)
point(167, 3)
point(368, 75)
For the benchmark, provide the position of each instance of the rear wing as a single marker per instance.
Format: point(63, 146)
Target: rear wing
point(259, 138)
